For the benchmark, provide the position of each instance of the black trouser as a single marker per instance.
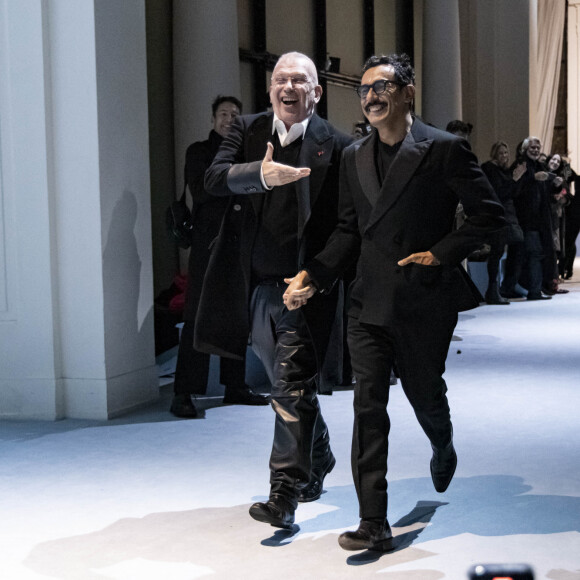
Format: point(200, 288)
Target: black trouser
point(282, 341)
point(420, 350)
point(572, 231)
point(192, 368)
point(530, 255)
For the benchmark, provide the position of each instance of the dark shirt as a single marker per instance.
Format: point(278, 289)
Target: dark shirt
point(275, 252)
point(385, 155)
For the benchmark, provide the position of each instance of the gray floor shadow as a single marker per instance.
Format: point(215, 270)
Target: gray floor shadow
point(422, 513)
point(494, 505)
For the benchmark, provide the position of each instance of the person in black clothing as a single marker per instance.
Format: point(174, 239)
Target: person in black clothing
point(572, 226)
point(191, 373)
point(558, 196)
point(282, 169)
point(533, 213)
point(399, 188)
point(502, 180)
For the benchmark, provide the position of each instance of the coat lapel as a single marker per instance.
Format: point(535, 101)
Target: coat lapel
point(316, 153)
point(410, 155)
point(258, 135)
point(367, 169)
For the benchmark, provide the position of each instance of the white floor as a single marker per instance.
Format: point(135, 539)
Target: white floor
point(149, 496)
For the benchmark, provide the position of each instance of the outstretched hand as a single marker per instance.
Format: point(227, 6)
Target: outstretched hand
point(299, 290)
point(279, 174)
point(423, 258)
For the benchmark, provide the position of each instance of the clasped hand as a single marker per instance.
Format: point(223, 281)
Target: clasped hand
point(279, 174)
point(299, 290)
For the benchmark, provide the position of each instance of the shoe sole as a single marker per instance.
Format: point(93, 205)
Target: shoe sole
point(302, 499)
point(260, 516)
point(352, 546)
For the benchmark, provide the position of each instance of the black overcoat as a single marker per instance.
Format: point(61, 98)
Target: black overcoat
point(222, 325)
point(207, 213)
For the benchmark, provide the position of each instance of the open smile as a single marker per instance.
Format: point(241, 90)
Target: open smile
point(289, 101)
point(376, 107)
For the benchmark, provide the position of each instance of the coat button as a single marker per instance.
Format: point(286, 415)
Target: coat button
point(237, 207)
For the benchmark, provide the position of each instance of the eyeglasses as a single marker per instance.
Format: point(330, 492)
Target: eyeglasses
point(294, 80)
point(379, 87)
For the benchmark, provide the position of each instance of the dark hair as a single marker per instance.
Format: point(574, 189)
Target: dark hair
point(495, 148)
point(401, 63)
point(458, 126)
point(224, 99)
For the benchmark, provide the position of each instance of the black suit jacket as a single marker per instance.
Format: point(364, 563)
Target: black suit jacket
point(412, 211)
point(223, 321)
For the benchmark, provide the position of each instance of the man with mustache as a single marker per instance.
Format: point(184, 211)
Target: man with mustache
point(399, 188)
point(282, 169)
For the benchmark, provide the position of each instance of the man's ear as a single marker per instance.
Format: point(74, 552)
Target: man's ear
point(317, 93)
point(409, 93)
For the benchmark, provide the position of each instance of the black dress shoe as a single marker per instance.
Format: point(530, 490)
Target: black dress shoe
point(182, 406)
point(538, 297)
point(369, 536)
point(243, 395)
point(314, 488)
point(443, 464)
point(277, 512)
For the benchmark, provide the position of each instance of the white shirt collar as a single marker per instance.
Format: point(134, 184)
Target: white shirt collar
point(297, 131)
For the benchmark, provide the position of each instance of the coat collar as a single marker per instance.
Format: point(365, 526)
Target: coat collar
point(410, 155)
point(315, 152)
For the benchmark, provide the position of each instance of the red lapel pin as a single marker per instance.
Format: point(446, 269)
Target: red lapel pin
point(320, 153)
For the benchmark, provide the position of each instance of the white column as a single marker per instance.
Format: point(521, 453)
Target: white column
point(76, 331)
point(441, 66)
point(574, 84)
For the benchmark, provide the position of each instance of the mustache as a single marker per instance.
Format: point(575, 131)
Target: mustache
point(374, 102)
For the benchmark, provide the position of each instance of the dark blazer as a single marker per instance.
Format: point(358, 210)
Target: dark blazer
point(207, 212)
point(223, 320)
point(412, 212)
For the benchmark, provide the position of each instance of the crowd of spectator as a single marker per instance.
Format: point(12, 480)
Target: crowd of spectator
point(538, 192)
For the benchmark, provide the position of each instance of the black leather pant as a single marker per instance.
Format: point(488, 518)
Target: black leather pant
point(420, 351)
point(282, 341)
